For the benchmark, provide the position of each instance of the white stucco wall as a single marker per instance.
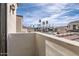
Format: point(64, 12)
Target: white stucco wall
point(39, 44)
point(50, 45)
point(21, 44)
point(11, 19)
point(71, 26)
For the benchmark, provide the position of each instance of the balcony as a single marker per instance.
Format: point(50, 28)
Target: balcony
point(40, 44)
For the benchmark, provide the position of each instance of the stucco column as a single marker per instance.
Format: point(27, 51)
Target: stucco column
point(11, 17)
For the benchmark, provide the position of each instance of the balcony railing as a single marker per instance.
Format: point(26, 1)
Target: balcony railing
point(40, 44)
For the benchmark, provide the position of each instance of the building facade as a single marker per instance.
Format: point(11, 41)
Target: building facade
point(19, 23)
point(73, 26)
point(61, 29)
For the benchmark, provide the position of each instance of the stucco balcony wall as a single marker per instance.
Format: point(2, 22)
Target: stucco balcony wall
point(40, 44)
point(21, 44)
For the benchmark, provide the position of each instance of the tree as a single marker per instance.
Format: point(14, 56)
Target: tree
point(39, 25)
point(39, 20)
point(46, 22)
point(43, 25)
point(46, 25)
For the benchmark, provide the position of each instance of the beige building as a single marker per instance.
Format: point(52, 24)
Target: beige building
point(24, 29)
point(30, 29)
point(27, 29)
point(19, 23)
point(73, 26)
point(61, 29)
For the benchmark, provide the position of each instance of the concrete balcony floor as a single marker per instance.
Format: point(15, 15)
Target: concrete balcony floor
point(40, 44)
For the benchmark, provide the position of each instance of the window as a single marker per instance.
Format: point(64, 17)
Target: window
point(74, 27)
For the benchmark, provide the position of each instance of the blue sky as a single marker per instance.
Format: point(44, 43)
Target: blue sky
point(57, 14)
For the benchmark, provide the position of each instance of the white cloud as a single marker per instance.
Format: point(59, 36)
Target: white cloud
point(55, 10)
point(52, 19)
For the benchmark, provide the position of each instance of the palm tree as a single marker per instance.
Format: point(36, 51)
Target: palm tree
point(39, 20)
point(46, 22)
point(46, 25)
point(40, 24)
point(43, 25)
